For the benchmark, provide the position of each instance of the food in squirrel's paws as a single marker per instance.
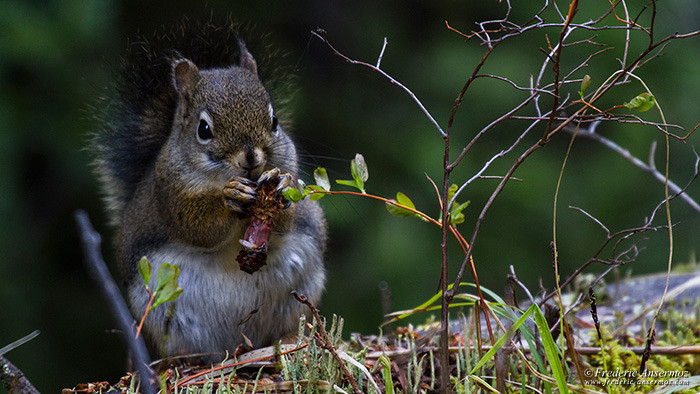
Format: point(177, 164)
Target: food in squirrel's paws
point(268, 203)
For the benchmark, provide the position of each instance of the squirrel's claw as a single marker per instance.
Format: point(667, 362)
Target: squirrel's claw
point(274, 176)
point(238, 192)
point(269, 175)
point(285, 182)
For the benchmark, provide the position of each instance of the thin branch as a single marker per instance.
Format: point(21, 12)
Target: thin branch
point(381, 54)
point(19, 342)
point(515, 280)
point(514, 84)
point(489, 162)
point(650, 168)
point(99, 272)
point(607, 232)
point(387, 76)
point(491, 125)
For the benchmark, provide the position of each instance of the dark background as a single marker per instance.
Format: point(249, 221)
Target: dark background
point(53, 66)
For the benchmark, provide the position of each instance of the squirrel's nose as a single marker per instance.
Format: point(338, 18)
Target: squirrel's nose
point(251, 162)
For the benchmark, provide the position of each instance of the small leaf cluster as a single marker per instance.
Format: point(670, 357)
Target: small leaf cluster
point(402, 206)
point(358, 169)
point(167, 288)
point(456, 215)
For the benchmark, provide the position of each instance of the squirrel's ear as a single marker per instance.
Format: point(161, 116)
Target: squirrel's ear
point(185, 76)
point(247, 60)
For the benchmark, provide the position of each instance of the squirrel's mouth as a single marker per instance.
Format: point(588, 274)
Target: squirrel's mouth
point(253, 173)
point(248, 163)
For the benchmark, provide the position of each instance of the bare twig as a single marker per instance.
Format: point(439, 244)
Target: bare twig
point(650, 168)
point(322, 37)
point(99, 272)
point(19, 342)
point(515, 280)
point(607, 231)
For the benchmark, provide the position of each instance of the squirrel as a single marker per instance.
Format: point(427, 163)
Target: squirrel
point(188, 134)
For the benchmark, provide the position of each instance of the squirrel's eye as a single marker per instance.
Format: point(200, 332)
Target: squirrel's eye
point(204, 133)
point(274, 123)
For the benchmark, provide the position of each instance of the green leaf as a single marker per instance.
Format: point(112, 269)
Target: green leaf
point(584, 85)
point(145, 270)
point(321, 177)
point(496, 346)
point(358, 169)
point(309, 190)
point(293, 194)
point(451, 192)
point(169, 293)
point(456, 209)
point(643, 102)
point(550, 349)
point(456, 215)
point(347, 183)
point(404, 200)
point(166, 273)
point(481, 382)
point(401, 211)
point(426, 305)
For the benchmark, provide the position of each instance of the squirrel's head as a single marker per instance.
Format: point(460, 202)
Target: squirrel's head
point(224, 123)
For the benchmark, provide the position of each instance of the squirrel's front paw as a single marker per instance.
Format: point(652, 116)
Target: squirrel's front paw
point(239, 192)
point(273, 176)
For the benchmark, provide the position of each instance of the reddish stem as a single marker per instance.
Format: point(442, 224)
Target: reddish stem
point(148, 309)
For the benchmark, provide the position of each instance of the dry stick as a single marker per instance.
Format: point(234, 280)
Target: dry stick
point(565, 328)
point(448, 167)
point(99, 272)
point(324, 336)
point(519, 161)
point(623, 234)
point(19, 342)
point(13, 379)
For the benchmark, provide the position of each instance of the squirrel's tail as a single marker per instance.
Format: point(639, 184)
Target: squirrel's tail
point(138, 114)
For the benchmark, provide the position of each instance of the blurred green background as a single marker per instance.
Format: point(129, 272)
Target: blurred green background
point(54, 58)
